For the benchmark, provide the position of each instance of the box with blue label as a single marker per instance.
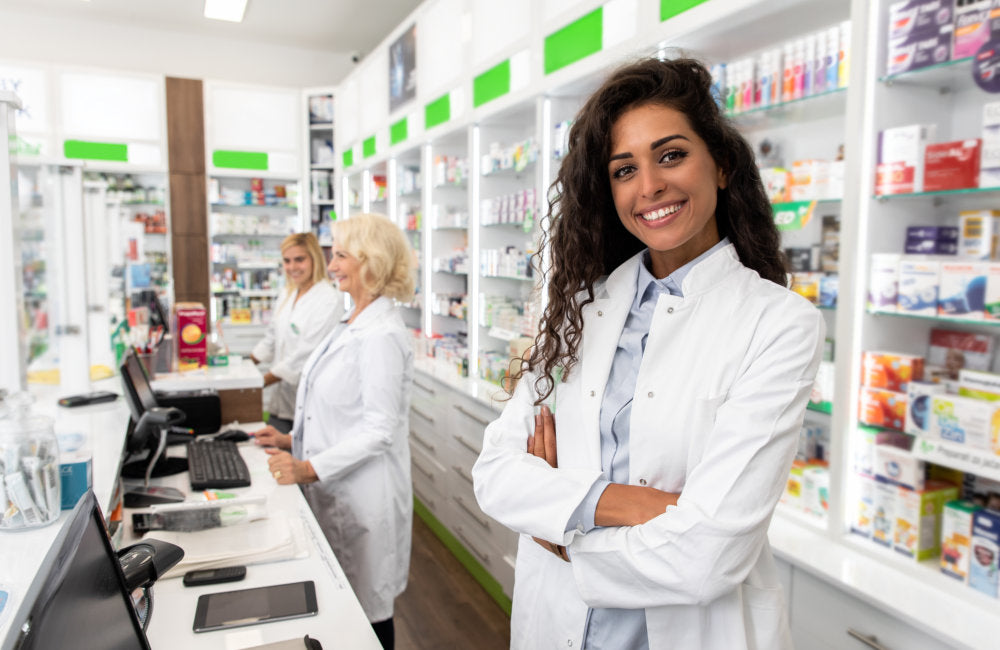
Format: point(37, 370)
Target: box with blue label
point(983, 562)
point(918, 286)
point(962, 292)
point(964, 420)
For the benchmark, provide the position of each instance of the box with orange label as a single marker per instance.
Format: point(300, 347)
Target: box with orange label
point(882, 408)
point(192, 326)
point(956, 538)
point(890, 370)
point(917, 532)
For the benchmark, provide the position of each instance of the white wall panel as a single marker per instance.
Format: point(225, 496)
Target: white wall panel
point(347, 124)
point(496, 26)
point(442, 35)
point(255, 119)
point(374, 87)
point(31, 85)
point(111, 106)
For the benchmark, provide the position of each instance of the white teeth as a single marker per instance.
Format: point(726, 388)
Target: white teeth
point(662, 212)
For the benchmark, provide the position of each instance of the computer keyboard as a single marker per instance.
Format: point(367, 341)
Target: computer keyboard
point(216, 464)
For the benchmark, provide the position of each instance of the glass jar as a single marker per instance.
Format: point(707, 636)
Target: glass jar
point(29, 466)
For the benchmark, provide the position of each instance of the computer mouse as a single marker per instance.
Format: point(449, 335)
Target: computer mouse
point(236, 435)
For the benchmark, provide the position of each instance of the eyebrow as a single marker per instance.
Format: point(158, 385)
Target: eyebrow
point(654, 145)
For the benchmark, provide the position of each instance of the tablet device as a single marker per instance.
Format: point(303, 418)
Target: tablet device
point(227, 609)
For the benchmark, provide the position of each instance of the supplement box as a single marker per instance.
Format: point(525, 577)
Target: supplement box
point(956, 538)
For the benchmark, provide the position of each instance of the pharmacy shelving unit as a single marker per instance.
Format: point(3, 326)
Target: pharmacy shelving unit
point(840, 586)
point(405, 186)
point(249, 216)
point(319, 202)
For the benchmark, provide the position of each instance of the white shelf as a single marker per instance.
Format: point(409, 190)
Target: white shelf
point(247, 293)
point(958, 456)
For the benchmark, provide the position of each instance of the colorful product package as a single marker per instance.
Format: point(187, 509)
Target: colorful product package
point(952, 165)
point(899, 466)
point(991, 310)
point(882, 408)
point(890, 370)
point(962, 293)
point(192, 343)
point(900, 168)
point(956, 538)
point(919, 281)
point(979, 234)
point(918, 406)
point(883, 283)
point(972, 27)
point(866, 439)
point(917, 533)
point(864, 505)
point(792, 496)
point(971, 422)
point(918, 17)
point(983, 561)
point(816, 490)
point(954, 350)
point(977, 384)
point(884, 513)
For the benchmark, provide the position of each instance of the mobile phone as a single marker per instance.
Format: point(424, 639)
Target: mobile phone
point(88, 398)
point(257, 605)
point(214, 576)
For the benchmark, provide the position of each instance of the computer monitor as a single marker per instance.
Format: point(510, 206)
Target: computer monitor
point(79, 598)
point(142, 434)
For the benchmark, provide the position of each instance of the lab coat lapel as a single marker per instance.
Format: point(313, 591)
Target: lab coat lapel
point(371, 315)
point(603, 322)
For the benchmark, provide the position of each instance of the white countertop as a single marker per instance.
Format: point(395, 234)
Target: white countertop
point(241, 373)
point(488, 394)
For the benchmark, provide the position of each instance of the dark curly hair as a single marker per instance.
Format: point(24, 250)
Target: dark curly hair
point(586, 240)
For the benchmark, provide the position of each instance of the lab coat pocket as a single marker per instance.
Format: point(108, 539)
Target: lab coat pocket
point(765, 618)
point(701, 426)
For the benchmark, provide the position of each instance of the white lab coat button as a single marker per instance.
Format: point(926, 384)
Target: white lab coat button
point(670, 310)
point(599, 313)
point(579, 527)
point(569, 642)
point(592, 393)
point(649, 394)
point(642, 481)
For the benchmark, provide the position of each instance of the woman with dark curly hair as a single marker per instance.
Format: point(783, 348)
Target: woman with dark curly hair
point(676, 367)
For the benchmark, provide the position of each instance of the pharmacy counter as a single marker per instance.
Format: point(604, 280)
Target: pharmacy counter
point(239, 384)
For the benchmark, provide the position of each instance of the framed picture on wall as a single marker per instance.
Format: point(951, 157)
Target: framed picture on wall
point(403, 68)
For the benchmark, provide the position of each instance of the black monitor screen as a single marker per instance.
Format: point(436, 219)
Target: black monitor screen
point(79, 598)
point(138, 392)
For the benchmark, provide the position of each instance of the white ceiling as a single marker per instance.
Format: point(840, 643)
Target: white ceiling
point(326, 25)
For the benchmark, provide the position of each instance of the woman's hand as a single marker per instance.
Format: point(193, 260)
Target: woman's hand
point(631, 505)
point(271, 437)
point(543, 444)
point(287, 469)
point(271, 378)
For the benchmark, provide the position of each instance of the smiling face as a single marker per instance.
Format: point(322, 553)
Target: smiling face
point(346, 270)
point(664, 183)
point(298, 265)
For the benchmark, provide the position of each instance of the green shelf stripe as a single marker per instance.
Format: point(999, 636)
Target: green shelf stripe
point(671, 8)
point(348, 158)
point(482, 576)
point(368, 147)
point(575, 41)
point(95, 150)
point(491, 84)
point(437, 111)
point(240, 160)
point(399, 131)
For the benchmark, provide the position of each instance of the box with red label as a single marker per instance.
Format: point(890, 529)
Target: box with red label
point(192, 328)
point(882, 408)
point(952, 165)
point(900, 162)
point(890, 370)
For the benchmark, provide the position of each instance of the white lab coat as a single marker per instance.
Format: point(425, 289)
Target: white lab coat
point(292, 335)
point(718, 406)
point(351, 423)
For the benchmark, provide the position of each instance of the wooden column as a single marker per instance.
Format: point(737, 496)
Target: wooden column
point(188, 203)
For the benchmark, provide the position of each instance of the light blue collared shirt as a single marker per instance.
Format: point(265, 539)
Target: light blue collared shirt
point(625, 628)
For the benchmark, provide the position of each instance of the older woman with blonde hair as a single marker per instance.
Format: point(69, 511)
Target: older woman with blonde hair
point(306, 313)
point(349, 449)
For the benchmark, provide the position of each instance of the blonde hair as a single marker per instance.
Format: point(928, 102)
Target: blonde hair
point(383, 252)
point(308, 241)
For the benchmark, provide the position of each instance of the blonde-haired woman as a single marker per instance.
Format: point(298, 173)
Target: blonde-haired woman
point(348, 445)
point(307, 312)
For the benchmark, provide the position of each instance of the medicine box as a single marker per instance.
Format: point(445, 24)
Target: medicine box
point(192, 344)
point(864, 505)
point(829, 289)
point(978, 234)
point(792, 496)
point(917, 532)
point(900, 168)
point(883, 283)
point(918, 16)
point(962, 293)
point(952, 165)
point(956, 538)
point(899, 466)
point(991, 307)
point(972, 22)
point(978, 384)
point(963, 420)
point(985, 551)
point(918, 286)
point(882, 408)
point(955, 350)
point(823, 385)
point(890, 370)
point(919, 50)
point(884, 513)
point(918, 406)
point(816, 490)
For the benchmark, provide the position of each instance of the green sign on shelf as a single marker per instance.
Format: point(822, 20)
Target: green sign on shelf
point(794, 215)
point(575, 41)
point(491, 84)
point(399, 131)
point(437, 111)
point(348, 158)
point(95, 150)
point(368, 147)
point(254, 160)
point(671, 8)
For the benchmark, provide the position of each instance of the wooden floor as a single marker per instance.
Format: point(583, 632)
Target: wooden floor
point(443, 606)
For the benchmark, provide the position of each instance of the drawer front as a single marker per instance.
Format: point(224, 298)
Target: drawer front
point(426, 418)
point(824, 617)
point(432, 475)
point(426, 392)
point(499, 564)
point(467, 513)
point(469, 419)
